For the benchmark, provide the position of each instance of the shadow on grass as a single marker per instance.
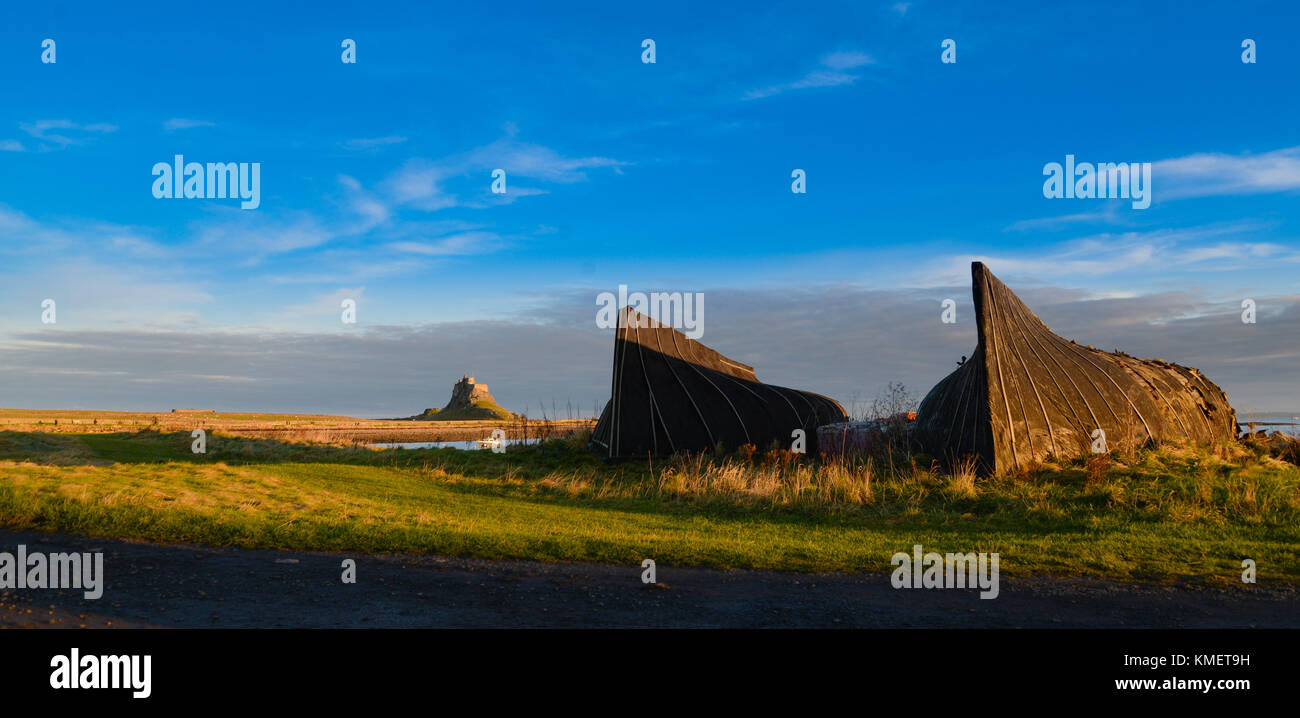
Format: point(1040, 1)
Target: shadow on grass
point(153, 447)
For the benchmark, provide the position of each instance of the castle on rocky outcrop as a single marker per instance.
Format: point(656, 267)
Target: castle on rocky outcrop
point(466, 392)
point(470, 400)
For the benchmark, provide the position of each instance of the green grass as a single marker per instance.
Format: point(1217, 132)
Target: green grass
point(1160, 516)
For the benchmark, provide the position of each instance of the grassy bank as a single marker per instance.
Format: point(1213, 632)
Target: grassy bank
point(1155, 515)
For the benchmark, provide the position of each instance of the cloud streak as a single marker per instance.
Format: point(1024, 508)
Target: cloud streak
point(64, 133)
point(423, 184)
point(1218, 247)
point(181, 123)
point(371, 143)
point(834, 71)
point(1214, 174)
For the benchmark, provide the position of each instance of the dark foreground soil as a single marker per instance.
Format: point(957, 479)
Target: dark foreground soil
point(151, 585)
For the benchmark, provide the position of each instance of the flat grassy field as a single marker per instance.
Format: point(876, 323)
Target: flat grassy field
point(1157, 516)
point(287, 427)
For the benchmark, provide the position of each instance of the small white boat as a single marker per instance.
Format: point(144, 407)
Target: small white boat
point(489, 443)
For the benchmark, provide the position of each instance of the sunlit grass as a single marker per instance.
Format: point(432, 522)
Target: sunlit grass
point(1154, 515)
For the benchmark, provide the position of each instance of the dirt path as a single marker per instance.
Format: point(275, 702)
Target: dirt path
point(191, 586)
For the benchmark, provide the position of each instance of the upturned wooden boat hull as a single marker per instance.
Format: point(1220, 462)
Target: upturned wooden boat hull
point(1028, 395)
point(672, 394)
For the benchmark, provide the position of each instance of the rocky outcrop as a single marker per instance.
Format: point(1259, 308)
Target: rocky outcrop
point(470, 400)
point(466, 393)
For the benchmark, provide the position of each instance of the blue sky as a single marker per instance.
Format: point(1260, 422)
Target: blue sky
point(675, 175)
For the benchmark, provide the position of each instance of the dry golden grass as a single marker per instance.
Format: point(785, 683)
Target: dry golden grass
point(781, 481)
point(961, 483)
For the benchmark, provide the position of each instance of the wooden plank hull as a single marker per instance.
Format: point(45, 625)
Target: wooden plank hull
point(673, 394)
point(1028, 395)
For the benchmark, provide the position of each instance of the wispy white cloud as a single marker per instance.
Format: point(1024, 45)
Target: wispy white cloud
point(419, 183)
point(250, 239)
point(93, 292)
point(832, 72)
point(816, 78)
point(422, 183)
point(358, 266)
point(138, 247)
point(1108, 213)
point(326, 304)
point(847, 60)
point(1237, 251)
point(11, 146)
point(255, 236)
point(372, 210)
point(61, 132)
point(1217, 247)
point(1211, 174)
point(456, 244)
point(522, 159)
point(181, 123)
point(21, 234)
point(369, 143)
point(1203, 174)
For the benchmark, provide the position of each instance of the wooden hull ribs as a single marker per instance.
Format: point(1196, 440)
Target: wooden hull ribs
point(672, 394)
point(1027, 395)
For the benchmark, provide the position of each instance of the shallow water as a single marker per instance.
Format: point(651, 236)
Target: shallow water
point(1271, 423)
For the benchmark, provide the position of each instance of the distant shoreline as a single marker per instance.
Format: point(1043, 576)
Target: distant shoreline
point(290, 427)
